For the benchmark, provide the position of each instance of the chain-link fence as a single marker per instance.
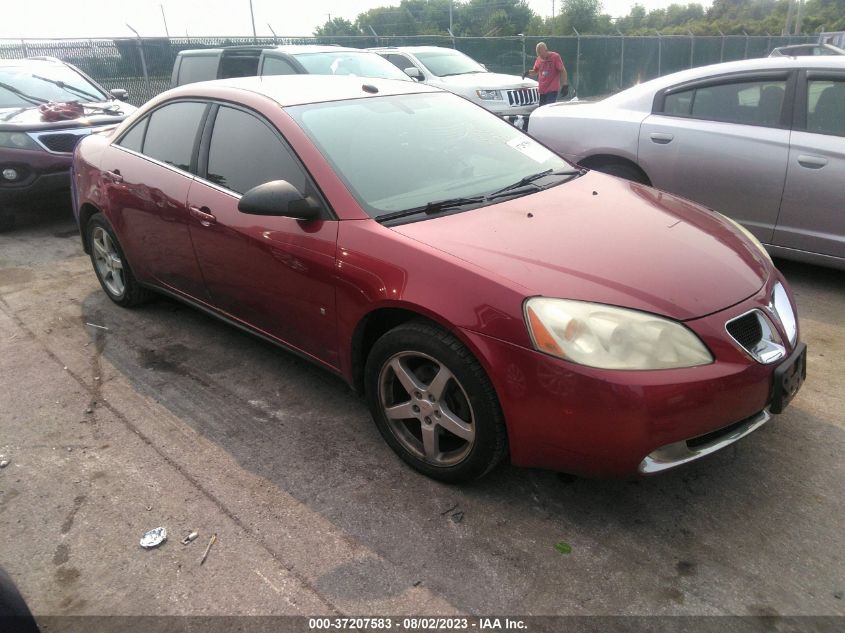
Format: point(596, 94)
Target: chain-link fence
point(597, 64)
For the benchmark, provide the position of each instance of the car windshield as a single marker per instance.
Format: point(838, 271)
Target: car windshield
point(350, 63)
point(403, 152)
point(45, 82)
point(446, 63)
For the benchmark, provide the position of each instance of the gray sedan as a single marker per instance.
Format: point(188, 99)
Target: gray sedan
point(761, 141)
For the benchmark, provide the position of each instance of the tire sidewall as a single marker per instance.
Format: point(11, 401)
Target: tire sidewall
point(468, 372)
point(99, 221)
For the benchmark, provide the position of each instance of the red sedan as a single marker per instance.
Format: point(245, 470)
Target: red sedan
point(490, 299)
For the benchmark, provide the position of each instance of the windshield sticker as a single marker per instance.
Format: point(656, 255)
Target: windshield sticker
point(532, 149)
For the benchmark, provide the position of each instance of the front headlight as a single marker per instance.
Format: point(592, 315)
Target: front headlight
point(750, 237)
point(17, 140)
point(607, 337)
point(489, 95)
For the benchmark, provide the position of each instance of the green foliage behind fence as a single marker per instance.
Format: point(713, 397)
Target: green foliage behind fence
point(597, 65)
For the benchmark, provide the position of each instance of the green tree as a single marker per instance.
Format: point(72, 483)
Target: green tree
point(581, 15)
point(335, 27)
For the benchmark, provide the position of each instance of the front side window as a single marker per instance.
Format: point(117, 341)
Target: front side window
point(447, 63)
point(360, 64)
point(826, 107)
point(245, 152)
point(400, 61)
point(172, 133)
point(748, 102)
point(36, 82)
point(423, 148)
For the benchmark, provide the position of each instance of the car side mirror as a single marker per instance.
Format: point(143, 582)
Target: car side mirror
point(119, 93)
point(279, 197)
point(414, 73)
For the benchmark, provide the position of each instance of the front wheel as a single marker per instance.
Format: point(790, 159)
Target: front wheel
point(434, 404)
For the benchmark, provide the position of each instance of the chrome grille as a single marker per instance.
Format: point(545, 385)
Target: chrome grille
point(746, 330)
point(523, 96)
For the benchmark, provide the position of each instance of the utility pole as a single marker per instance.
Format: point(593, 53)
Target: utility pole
point(252, 18)
point(788, 24)
point(798, 17)
point(164, 19)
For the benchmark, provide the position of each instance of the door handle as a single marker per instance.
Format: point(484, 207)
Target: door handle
point(811, 162)
point(661, 138)
point(115, 176)
point(203, 214)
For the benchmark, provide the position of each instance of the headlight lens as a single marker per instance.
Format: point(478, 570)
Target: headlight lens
point(607, 337)
point(489, 95)
point(17, 140)
point(750, 237)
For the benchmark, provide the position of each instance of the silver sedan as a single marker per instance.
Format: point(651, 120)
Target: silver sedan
point(761, 141)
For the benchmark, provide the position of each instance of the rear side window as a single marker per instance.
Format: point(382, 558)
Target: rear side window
point(240, 65)
point(245, 152)
point(172, 133)
point(277, 66)
point(134, 138)
point(826, 107)
point(748, 102)
point(195, 68)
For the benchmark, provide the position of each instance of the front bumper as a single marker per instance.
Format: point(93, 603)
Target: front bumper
point(42, 174)
point(604, 423)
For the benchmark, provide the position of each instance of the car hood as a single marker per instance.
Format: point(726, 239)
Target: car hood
point(603, 239)
point(490, 81)
point(29, 118)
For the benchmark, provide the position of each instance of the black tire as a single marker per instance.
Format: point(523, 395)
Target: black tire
point(132, 293)
point(468, 392)
point(623, 170)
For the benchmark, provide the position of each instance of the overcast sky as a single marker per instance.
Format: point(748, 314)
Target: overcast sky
point(104, 18)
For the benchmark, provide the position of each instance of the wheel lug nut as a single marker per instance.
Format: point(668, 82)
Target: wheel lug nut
point(427, 420)
point(415, 409)
point(437, 414)
point(432, 398)
point(417, 395)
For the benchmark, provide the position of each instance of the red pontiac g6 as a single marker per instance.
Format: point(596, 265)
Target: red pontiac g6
point(490, 299)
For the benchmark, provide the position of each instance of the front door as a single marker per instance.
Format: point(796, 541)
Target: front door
point(273, 273)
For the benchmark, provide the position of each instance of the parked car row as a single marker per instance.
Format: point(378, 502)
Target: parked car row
point(762, 141)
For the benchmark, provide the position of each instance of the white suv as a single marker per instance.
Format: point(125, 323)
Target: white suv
point(509, 96)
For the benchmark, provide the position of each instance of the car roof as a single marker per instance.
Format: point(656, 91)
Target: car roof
point(291, 90)
point(290, 49)
point(414, 49)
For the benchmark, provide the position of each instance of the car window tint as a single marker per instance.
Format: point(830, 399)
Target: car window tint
point(171, 133)
point(826, 107)
point(400, 61)
point(134, 138)
point(245, 152)
point(240, 65)
point(277, 66)
point(678, 103)
point(198, 68)
point(750, 102)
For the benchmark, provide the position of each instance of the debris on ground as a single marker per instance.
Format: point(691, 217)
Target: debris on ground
point(208, 549)
point(154, 538)
point(457, 517)
point(563, 548)
point(4, 463)
point(191, 537)
point(101, 327)
point(445, 512)
point(148, 508)
point(417, 583)
point(837, 595)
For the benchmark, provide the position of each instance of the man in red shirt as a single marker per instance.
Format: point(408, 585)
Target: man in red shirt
point(550, 73)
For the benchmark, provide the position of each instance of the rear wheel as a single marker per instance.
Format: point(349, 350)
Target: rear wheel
point(111, 266)
point(434, 404)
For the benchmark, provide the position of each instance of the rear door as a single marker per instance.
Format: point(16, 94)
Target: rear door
point(723, 143)
point(273, 273)
point(812, 216)
point(148, 172)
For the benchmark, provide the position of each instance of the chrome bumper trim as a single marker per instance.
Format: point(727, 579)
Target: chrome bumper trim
point(678, 453)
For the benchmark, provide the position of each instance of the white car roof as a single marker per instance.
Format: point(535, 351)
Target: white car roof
point(415, 49)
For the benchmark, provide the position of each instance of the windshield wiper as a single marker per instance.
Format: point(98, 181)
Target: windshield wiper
point(64, 86)
point(529, 180)
point(431, 208)
point(23, 95)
